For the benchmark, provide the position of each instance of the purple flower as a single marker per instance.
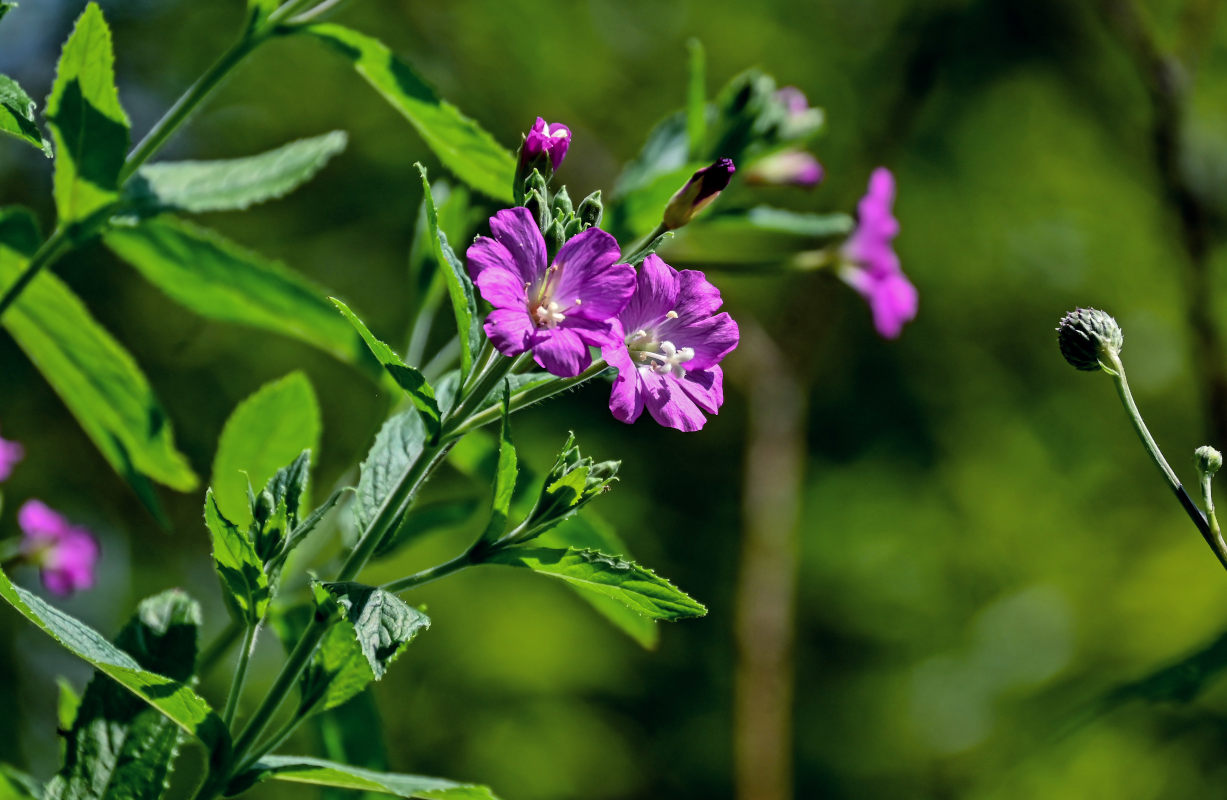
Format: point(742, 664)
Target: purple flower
point(794, 167)
point(10, 454)
point(65, 554)
point(704, 186)
point(672, 341)
point(544, 139)
point(555, 310)
point(793, 99)
point(870, 264)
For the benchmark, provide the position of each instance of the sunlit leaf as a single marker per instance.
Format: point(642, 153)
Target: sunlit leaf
point(244, 583)
point(17, 112)
point(304, 769)
point(459, 286)
point(383, 624)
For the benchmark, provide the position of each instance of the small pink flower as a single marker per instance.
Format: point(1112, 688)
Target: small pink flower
point(788, 167)
point(870, 265)
point(549, 140)
point(65, 554)
point(793, 99)
point(10, 454)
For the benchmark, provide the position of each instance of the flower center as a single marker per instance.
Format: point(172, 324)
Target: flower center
point(545, 311)
point(548, 315)
point(664, 358)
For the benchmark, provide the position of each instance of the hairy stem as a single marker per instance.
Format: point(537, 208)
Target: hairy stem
point(462, 561)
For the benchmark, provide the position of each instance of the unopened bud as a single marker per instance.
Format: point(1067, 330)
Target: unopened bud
point(535, 203)
point(562, 203)
point(702, 188)
point(1209, 460)
point(590, 210)
point(554, 238)
point(1090, 339)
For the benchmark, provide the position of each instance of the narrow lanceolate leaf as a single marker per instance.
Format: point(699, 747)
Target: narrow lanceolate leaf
point(119, 748)
point(97, 379)
point(17, 113)
point(88, 126)
point(240, 570)
point(504, 477)
point(397, 446)
point(216, 278)
point(265, 432)
point(173, 698)
point(460, 144)
point(317, 771)
point(231, 184)
point(407, 377)
point(638, 589)
point(383, 623)
point(459, 286)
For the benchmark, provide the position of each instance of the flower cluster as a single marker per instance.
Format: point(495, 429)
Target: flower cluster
point(870, 265)
point(65, 554)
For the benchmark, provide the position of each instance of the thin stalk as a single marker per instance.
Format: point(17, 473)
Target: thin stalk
point(462, 561)
point(271, 743)
point(240, 674)
point(55, 246)
point(1208, 498)
point(639, 251)
point(218, 647)
point(527, 397)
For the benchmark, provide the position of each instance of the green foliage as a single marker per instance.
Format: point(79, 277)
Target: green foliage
point(459, 286)
point(460, 144)
point(762, 237)
point(383, 624)
point(173, 698)
point(304, 769)
point(67, 703)
point(88, 125)
point(119, 748)
point(269, 429)
point(337, 673)
point(17, 113)
point(639, 589)
point(244, 582)
point(262, 8)
point(93, 374)
point(573, 481)
point(397, 446)
point(220, 280)
point(407, 377)
point(505, 475)
point(15, 784)
point(232, 184)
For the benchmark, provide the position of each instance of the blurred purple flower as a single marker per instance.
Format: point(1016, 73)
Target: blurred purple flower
point(791, 167)
point(672, 341)
point(870, 264)
point(557, 310)
point(549, 140)
point(65, 554)
point(10, 454)
point(793, 99)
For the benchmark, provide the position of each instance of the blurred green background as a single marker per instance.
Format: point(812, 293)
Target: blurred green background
point(984, 549)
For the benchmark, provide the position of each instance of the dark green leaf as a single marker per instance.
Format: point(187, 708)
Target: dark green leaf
point(637, 588)
point(304, 769)
point(231, 184)
point(289, 485)
point(459, 286)
point(119, 748)
point(269, 429)
point(217, 279)
point(383, 623)
point(504, 477)
point(17, 113)
point(338, 671)
point(407, 377)
point(353, 734)
point(173, 698)
point(397, 446)
point(97, 379)
point(88, 125)
point(244, 583)
point(15, 784)
point(460, 144)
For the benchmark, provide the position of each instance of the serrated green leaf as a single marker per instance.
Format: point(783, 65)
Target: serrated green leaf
point(216, 278)
point(173, 698)
point(460, 144)
point(230, 184)
point(266, 431)
point(244, 583)
point(397, 446)
point(504, 477)
point(88, 125)
point(17, 113)
point(299, 534)
point(407, 377)
point(459, 286)
point(97, 379)
point(289, 485)
point(635, 587)
point(118, 747)
point(15, 784)
point(317, 771)
point(383, 623)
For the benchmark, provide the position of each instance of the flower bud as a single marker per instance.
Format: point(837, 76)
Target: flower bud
point(702, 188)
point(590, 210)
point(790, 167)
point(562, 203)
point(1208, 460)
point(546, 141)
point(555, 236)
point(1089, 339)
point(536, 205)
point(572, 483)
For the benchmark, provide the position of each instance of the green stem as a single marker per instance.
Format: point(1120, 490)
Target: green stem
point(55, 246)
point(640, 250)
point(527, 397)
point(240, 674)
point(1220, 546)
point(462, 561)
point(218, 647)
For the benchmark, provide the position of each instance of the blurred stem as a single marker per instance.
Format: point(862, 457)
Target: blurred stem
point(462, 561)
point(1207, 497)
point(218, 647)
point(1117, 371)
point(240, 674)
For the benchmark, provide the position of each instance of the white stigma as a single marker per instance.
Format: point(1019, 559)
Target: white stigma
point(670, 359)
point(548, 315)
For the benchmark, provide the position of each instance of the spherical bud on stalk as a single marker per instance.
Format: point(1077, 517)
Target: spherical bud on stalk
point(699, 192)
point(263, 507)
point(1208, 460)
point(590, 210)
point(1090, 339)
